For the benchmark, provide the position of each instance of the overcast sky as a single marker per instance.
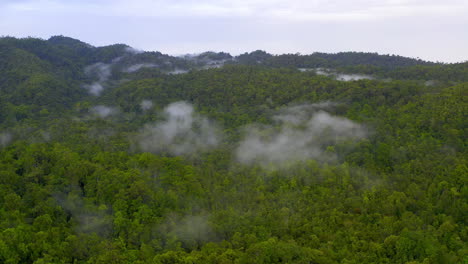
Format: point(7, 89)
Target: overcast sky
point(434, 30)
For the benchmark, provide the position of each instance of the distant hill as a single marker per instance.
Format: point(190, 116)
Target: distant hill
point(58, 72)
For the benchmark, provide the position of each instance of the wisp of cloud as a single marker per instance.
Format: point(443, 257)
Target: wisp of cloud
point(103, 111)
point(183, 132)
point(146, 105)
point(137, 67)
point(5, 139)
point(301, 133)
point(103, 72)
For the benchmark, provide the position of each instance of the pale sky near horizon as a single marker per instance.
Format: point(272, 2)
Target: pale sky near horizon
point(428, 29)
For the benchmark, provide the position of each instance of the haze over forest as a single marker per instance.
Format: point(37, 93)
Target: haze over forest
point(112, 154)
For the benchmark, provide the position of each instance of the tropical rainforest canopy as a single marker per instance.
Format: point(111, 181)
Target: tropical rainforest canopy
point(114, 155)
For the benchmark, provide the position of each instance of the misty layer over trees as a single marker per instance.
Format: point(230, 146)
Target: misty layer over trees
point(114, 155)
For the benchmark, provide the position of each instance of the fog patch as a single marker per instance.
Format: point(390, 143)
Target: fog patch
point(208, 60)
point(430, 83)
point(103, 111)
point(323, 71)
point(101, 134)
point(352, 77)
point(88, 217)
point(297, 114)
point(339, 76)
point(102, 72)
point(133, 50)
point(146, 105)
point(95, 88)
point(46, 136)
point(208, 63)
point(192, 230)
point(117, 59)
point(183, 132)
point(299, 133)
point(178, 71)
point(189, 56)
point(213, 66)
point(5, 139)
point(137, 67)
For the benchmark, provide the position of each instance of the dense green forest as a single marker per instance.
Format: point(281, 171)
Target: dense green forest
point(115, 155)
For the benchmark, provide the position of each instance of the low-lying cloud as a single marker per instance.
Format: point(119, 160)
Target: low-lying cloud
point(133, 50)
point(88, 219)
point(95, 88)
point(301, 132)
point(5, 139)
point(178, 71)
point(353, 77)
point(190, 229)
point(103, 111)
point(137, 67)
point(100, 70)
point(146, 105)
point(340, 76)
point(183, 132)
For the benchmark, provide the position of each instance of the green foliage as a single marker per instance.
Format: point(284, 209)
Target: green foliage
point(75, 188)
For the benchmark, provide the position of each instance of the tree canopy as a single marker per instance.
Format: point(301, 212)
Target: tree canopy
point(112, 155)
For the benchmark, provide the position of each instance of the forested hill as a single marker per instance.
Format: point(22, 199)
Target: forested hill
point(115, 155)
point(340, 59)
point(59, 48)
